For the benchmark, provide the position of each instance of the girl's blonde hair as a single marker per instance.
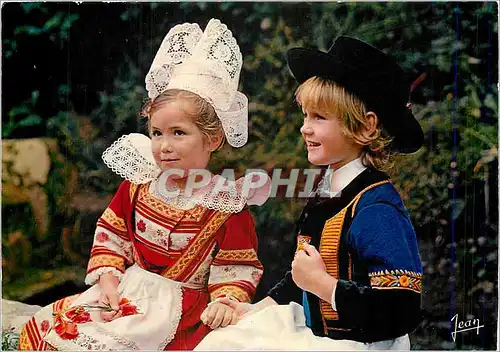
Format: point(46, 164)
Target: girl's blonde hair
point(198, 109)
point(328, 97)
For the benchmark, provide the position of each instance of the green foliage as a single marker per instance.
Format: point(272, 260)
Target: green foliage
point(22, 115)
point(10, 340)
point(56, 26)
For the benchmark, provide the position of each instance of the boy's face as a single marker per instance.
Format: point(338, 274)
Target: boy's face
point(325, 142)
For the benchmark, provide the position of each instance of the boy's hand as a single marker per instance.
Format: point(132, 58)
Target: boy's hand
point(308, 268)
point(218, 314)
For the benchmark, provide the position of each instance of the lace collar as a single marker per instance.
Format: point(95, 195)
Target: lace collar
point(130, 157)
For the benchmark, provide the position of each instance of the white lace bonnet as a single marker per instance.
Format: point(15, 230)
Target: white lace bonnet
point(206, 63)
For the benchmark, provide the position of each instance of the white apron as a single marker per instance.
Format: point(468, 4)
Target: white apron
point(282, 327)
point(159, 301)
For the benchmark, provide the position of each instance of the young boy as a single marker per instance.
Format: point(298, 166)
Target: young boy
point(357, 270)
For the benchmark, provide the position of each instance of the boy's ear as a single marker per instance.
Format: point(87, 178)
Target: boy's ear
point(371, 124)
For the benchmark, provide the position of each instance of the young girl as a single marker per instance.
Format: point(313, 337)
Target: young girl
point(159, 257)
point(357, 271)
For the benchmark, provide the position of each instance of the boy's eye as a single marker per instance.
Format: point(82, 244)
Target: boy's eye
point(319, 117)
point(156, 133)
point(179, 133)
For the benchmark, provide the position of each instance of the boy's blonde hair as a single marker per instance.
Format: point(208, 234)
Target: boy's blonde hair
point(198, 109)
point(330, 98)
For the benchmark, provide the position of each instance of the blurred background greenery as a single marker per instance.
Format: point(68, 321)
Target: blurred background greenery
point(73, 82)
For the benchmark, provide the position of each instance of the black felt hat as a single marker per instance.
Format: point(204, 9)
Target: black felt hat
point(371, 76)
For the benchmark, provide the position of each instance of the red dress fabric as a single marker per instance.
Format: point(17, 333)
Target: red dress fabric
point(212, 253)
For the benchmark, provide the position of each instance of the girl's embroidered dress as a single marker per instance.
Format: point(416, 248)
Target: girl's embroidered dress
point(175, 264)
point(172, 254)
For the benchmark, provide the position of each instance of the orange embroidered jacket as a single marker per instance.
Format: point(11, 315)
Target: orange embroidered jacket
point(367, 242)
point(199, 247)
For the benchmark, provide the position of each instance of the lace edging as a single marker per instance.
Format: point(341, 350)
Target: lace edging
point(176, 320)
point(93, 277)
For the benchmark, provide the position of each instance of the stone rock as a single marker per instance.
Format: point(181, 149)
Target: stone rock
point(25, 168)
point(16, 314)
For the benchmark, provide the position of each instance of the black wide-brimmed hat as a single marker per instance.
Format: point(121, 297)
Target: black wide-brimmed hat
point(371, 76)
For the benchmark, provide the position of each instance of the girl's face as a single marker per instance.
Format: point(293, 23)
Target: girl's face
point(325, 142)
point(177, 143)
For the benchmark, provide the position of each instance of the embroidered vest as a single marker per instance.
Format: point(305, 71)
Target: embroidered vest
point(329, 250)
point(324, 224)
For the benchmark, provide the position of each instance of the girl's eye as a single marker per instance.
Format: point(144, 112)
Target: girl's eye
point(179, 133)
point(319, 117)
point(156, 133)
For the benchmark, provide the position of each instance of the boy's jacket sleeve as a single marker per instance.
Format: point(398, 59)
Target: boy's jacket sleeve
point(286, 290)
point(385, 240)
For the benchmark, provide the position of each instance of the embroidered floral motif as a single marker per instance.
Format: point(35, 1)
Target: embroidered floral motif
point(162, 238)
point(180, 241)
point(201, 277)
point(202, 274)
point(256, 275)
point(229, 273)
point(126, 249)
point(402, 279)
point(89, 343)
point(141, 225)
point(44, 326)
point(102, 237)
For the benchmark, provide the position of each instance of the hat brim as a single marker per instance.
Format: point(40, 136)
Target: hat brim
point(305, 63)
point(409, 135)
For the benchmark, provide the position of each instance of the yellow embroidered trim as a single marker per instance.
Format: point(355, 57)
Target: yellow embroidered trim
point(100, 260)
point(396, 279)
point(197, 245)
point(131, 190)
point(158, 205)
point(338, 329)
point(234, 291)
point(24, 341)
point(329, 246)
point(112, 219)
point(237, 255)
point(301, 240)
point(194, 214)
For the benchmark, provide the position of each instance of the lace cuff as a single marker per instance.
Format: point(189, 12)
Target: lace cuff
point(93, 277)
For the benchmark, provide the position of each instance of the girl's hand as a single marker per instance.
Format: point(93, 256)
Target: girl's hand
point(110, 297)
point(218, 314)
point(241, 309)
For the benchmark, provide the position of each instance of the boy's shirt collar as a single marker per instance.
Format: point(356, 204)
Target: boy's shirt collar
point(332, 185)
